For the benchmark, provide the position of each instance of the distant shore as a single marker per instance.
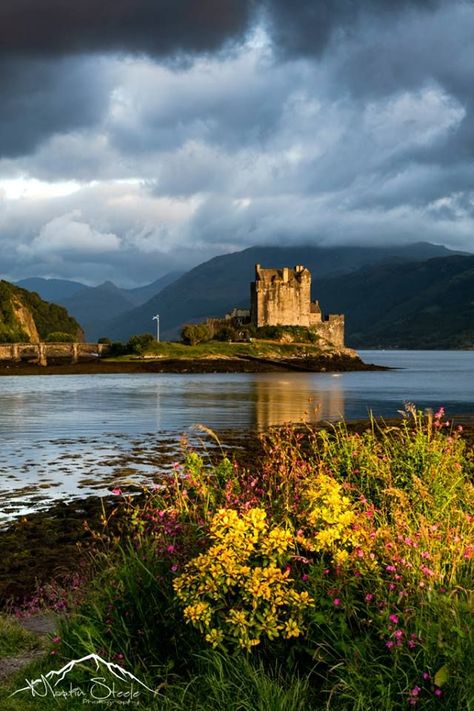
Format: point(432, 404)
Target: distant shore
point(314, 364)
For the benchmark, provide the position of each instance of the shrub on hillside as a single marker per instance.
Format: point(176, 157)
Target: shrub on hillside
point(60, 337)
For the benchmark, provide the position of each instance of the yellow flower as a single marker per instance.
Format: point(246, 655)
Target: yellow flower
point(291, 629)
point(214, 637)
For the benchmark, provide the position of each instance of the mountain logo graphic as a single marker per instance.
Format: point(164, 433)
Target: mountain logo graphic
point(50, 683)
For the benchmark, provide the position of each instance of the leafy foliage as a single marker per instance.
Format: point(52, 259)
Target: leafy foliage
point(139, 344)
point(347, 557)
point(60, 337)
point(48, 318)
point(194, 333)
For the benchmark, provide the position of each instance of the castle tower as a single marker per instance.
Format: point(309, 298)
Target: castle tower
point(281, 297)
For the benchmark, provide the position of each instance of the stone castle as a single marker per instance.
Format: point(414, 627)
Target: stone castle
point(282, 297)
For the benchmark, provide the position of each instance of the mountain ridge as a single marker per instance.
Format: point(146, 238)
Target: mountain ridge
point(216, 286)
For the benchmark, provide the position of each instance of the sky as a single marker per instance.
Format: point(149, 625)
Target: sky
point(143, 136)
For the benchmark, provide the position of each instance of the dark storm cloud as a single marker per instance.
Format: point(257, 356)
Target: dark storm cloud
point(166, 27)
point(39, 98)
point(304, 28)
point(158, 27)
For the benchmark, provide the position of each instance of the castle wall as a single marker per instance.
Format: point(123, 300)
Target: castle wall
point(332, 330)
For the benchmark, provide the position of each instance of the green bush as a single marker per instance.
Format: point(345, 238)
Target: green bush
point(299, 334)
point(139, 344)
point(194, 333)
point(60, 337)
point(226, 332)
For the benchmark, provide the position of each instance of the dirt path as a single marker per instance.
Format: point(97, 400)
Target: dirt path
point(41, 625)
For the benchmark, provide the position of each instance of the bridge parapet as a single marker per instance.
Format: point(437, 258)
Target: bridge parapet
point(41, 352)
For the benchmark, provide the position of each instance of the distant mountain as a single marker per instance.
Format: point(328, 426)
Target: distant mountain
point(95, 306)
point(142, 294)
point(92, 306)
point(214, 287)
point(25, 317)
point(55, 290)
point(406, 305)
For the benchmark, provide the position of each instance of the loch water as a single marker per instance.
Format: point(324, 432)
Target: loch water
point(69, 436)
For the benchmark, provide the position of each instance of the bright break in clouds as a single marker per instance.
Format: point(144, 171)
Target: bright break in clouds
point(152, 135)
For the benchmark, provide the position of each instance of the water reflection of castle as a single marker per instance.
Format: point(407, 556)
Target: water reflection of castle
point(297, 398)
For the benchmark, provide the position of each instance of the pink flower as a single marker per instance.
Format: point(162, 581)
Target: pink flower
point(425, 554)
point(174, 568)
point(56, 639)
point(398, 634)
point(426, 676)
point(336, 601)
point(415, 691)
point(117, 491)
point(426, 571)
point(438, 692)
point(394, 619)
point(369, 597)
point(305, 577)
point(390, 568)
point(389, 644)
point(411, 644)
point(170, 549)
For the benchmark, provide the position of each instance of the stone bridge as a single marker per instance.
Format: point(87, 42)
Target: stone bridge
point(40, 353)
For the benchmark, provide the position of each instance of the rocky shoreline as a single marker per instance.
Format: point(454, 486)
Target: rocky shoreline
point(330, 362)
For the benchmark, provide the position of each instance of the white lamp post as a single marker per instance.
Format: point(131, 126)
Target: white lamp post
point(157, 319)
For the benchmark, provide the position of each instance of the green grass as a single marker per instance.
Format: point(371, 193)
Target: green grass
point(260, 349)
point(15, 639)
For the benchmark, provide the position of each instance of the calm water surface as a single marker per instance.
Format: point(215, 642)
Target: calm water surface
point(65, 436)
